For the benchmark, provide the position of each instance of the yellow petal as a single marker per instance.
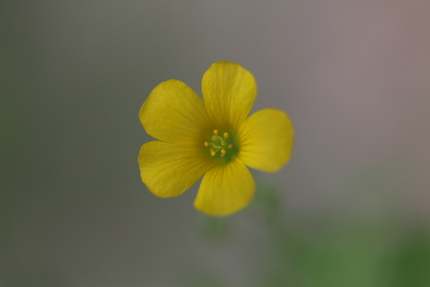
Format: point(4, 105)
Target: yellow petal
point(225, 189)
point(174, 113)
point(229, 91)
point(266, 140)
point(169, 169)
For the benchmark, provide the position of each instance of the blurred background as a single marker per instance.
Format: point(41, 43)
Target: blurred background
point(352, 208)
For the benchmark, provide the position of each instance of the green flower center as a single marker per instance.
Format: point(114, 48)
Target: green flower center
point(222, 146)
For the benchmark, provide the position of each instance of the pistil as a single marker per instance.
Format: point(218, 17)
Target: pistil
point(221, 145)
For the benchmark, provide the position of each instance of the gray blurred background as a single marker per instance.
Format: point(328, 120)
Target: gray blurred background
point(354, 76)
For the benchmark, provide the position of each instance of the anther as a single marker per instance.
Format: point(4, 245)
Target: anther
point(230, 146)
point(212, 152)
point(216, 131)
point(223, 152)
point(226, 135)
point(206, 144)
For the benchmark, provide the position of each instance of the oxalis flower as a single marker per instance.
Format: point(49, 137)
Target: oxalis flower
point(212, 138)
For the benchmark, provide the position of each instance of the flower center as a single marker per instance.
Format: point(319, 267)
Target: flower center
point(222, 146)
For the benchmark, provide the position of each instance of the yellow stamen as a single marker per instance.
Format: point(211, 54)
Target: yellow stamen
point(219, 144)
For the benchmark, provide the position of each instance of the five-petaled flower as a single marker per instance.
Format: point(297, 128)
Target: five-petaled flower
point(213, 138)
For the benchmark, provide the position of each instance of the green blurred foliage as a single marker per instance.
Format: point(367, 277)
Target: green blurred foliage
point(36, 278)
point(332, 253)
point(215, 228)
point(408, 262)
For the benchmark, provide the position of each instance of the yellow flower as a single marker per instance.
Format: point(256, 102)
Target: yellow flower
point(211, 137)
